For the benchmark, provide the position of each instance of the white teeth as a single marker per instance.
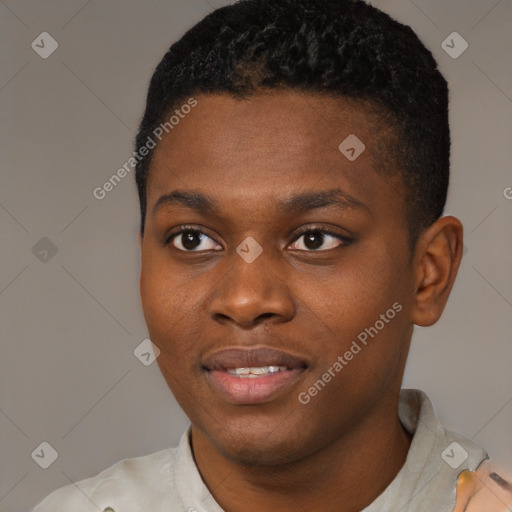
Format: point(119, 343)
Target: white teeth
point(256, 371)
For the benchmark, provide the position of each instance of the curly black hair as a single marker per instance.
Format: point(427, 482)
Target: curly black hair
point(343, 48)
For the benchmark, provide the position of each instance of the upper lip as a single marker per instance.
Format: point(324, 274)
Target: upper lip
point(236, 357)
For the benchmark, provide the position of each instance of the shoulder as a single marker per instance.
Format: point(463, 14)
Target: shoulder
point(487, 489)
point(128, 483)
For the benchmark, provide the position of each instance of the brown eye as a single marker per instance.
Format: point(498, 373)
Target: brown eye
point(317, 238)
point(191, 240)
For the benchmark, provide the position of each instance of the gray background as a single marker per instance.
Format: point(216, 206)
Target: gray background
point(69, 326)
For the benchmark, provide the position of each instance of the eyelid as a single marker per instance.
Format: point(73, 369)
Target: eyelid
point(345, 239)
point(321, 229)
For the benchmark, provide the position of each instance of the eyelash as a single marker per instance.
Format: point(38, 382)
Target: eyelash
point(317, 229)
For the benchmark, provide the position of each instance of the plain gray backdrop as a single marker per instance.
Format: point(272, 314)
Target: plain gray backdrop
point(71, 319)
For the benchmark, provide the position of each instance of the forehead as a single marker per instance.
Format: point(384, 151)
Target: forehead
point(270, 145)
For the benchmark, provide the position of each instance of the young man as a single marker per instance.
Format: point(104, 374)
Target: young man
point(292, 166)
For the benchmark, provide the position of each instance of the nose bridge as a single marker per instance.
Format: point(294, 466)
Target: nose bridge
point(252, 286)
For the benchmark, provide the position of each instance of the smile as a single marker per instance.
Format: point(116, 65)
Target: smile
point(253, 388)
point(248, 376)
point(256, 371)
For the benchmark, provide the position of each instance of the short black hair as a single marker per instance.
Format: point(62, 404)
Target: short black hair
point(343, 48)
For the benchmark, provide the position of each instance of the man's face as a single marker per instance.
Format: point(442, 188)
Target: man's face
point(304, 299)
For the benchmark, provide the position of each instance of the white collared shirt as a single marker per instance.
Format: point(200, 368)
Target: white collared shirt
point(169, 481)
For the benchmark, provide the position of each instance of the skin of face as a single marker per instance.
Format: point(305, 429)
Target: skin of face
point(308, 296)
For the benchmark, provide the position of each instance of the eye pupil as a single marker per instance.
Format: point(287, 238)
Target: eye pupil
point(312, 235)
point(188, 239)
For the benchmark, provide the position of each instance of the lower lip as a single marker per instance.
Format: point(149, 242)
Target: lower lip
point(247, 391)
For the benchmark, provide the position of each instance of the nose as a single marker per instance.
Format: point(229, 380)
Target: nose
point(250, 293)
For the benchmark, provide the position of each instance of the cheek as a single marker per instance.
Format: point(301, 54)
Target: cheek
point(363, 309)
point(160, 304)
point(171, 311)
point(153, 297)
point(159, 284)
point(359, 292)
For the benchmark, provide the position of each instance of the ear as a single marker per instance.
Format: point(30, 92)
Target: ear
point(436, 262)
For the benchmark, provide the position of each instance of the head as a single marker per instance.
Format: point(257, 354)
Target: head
point(265, 223)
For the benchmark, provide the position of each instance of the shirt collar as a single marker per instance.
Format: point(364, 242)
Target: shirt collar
point(426, 479)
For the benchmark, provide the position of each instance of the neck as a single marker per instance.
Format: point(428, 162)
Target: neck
point(344, 476)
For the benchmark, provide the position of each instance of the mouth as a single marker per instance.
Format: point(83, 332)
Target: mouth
point(252, 376)
point(255, 372)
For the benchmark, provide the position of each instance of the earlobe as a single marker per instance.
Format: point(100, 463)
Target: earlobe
point(437, 260)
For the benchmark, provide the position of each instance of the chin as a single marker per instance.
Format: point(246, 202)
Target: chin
point(258, 443)
point(249, 454)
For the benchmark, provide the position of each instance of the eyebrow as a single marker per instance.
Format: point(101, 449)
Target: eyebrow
point(296, 204)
